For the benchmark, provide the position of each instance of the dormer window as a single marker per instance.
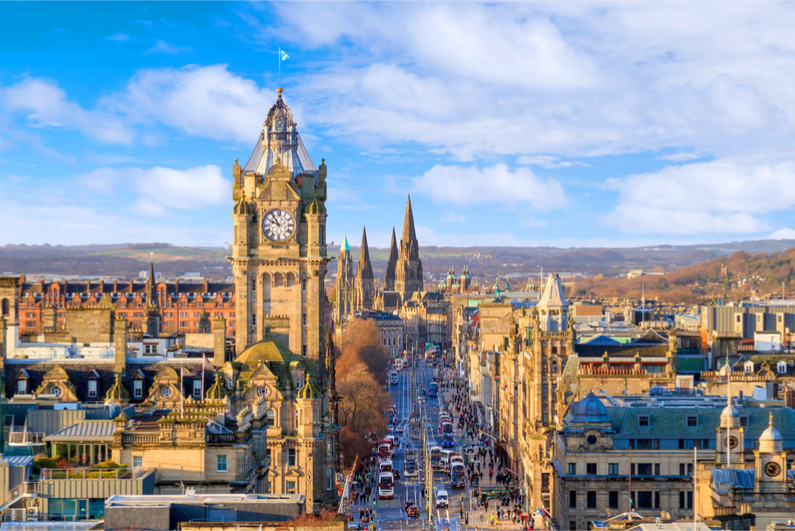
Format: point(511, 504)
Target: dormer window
point(138, 388)
point(748, 367)
point(92, 388)
point(197, 389)
point(643, 421)
point(262, 391)
point(781, 367)
point(56, 391)
point(166, 392)
point(22, 387)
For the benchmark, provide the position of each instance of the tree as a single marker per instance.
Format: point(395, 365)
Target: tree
point(362, 338)
point(327, 519)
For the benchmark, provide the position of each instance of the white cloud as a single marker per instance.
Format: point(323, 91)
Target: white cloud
point(723, 196)
point(545, 161)
point(469, 185)
point(679, 157)
point(783, 234)
point(208, 102)
point(118, 37)
point(167, 48)
point(449, 216)
point(45, 105)
point(162, 189)
point(560, 79)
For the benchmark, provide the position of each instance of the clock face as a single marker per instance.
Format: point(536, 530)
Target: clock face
point(279, 123)
point(731, 442)
point(278, 225)
point(772, 469)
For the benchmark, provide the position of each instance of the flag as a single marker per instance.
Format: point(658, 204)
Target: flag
point(284, 55)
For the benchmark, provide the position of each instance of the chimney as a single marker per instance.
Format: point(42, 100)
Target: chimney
point(120, 345)
point(219, 342)
point(115, 286)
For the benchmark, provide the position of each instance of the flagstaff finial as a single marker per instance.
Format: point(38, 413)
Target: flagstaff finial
point(770, 422)
point(279, 91)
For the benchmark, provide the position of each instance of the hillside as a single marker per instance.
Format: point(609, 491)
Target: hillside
point(731, 277)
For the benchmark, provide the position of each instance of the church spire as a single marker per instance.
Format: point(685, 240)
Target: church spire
point(365, 269)
point(409, 235)
point(391, 263)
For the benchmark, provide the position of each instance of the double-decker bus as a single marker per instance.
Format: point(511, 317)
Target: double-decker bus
point(410, 469)
point(436, 458)
point(386, 486)
point(457, 476)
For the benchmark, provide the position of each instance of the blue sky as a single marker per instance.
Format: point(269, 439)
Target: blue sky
point(565, 124)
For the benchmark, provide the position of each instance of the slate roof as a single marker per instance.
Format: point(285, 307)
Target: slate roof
point(86, 430)
point(586, 350)
point(743, 479)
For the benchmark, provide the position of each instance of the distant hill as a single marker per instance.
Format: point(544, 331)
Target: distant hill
point(125, 260)
point(732, 277)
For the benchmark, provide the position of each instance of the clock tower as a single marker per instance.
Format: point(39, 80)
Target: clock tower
point(279, 248)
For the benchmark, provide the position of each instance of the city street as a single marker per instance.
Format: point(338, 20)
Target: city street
point(390, 514)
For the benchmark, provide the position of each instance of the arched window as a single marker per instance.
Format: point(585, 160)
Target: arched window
point(748, 367)
point(781, 367)
point(5, 307)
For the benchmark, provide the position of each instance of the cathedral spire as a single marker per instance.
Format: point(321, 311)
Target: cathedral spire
point(365, 269)
point(409, 235)
point(391, 263)
point(151, 292)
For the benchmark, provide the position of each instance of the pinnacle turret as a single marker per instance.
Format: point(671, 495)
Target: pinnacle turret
point(391, 263)
point(365, 269)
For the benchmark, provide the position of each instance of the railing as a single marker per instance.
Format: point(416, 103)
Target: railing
point(221, 438)
point(28, 489)
point(57, 474)
point(140, 438)
point(20, 436)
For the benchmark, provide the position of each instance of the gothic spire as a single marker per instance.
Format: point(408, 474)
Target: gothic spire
point(151, 292)
point(409, 248)
point(391, 263)
point(365, 269)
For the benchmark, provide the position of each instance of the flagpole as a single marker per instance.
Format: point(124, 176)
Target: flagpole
point(181, 391)
point(279, 59)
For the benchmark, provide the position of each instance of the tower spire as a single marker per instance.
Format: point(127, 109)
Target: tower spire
point(391, 263)
point(365, 267)
point(409, 234)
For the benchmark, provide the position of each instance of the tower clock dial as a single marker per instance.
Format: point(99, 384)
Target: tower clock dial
point(278, 225)
point(772, 469)
point(731, 442)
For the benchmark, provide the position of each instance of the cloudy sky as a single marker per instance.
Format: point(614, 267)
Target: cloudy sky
point(510, 123)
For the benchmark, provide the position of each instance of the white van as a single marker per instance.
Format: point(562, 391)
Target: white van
point(441, 499)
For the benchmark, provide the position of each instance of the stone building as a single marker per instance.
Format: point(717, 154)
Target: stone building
point(610, 450)
point(344, 288)
point(276, 396)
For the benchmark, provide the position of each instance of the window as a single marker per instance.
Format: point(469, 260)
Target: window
point(303, 350)
point(329, 447)
point(262, 391)
point(644, 499)
point(291, 457)
point(166, 392)
point(197, 388)
point(686, 499)
point(56, 391)
point(138, 461)
point(656, 499)
point(643, 421)
point(291, 487)
point(314, 416)
point(644, 469)
point(612, 469)
point(656, 469)
point(270, 418)
point(138, 388)
point(220, 463)
point(328, 483)
point(748, 367)
point(572, 499)
point(303, 285)
point(554, 367)
point(781, 367)
point(22, 387)
point(591, 499)
point(692, 421)
point(612, 499)
point(572, 524)
point(572, 469)
point(303, 319)
point(92, 388)
point(590, 469)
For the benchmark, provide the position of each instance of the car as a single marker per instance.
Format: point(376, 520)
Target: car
point(413, 511)
point(399, 429)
